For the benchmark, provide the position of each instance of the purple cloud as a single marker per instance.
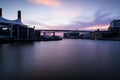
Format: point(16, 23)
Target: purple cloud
point(100, 18)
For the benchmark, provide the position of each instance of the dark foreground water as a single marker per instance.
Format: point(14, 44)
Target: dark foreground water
point(69, 59)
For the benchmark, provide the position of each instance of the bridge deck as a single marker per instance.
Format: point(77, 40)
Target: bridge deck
point(64, 30)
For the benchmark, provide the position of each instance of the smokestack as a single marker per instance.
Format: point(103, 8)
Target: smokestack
point(0, 12)
point(19, 15)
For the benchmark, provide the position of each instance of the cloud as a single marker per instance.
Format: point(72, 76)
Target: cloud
point(50, 3)
point(66, 13)
point(101, 20)
point(69, 17)
point(64, 17)
point(31, 22)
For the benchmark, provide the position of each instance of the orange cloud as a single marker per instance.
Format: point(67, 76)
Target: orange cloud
point(51, 3)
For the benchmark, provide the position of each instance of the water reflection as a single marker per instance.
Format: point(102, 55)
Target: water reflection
point(67, 59)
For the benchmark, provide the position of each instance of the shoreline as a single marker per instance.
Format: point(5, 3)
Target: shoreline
point(26, 40)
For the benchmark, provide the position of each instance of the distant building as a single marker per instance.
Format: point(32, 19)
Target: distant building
point(112, 32)
point(85, 36)
point(115, 27)
point(101, 34)
point(115, 24)
point(14, 29)
point(71, 35)
point(66, 35)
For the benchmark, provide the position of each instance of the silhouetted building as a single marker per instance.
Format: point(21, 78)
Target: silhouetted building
point(113, 31)
point(115, 27)
point(115, 24)
point(66, 35)
point(37, 33)
point(14, 29)
point(72, 35)
point(85, 36)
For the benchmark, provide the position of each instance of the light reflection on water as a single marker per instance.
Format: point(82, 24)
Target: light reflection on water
point(74, 58)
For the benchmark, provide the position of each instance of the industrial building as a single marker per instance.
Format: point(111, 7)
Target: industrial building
point(14, 29)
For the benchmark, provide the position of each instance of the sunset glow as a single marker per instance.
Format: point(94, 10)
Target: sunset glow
point(50, 3)
point(63, 14)
point(101, 27)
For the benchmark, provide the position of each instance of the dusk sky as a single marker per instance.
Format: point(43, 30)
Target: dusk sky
point(63, 14)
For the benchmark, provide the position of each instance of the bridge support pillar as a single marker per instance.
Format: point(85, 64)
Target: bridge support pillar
point(53, 33)
point(44, 33)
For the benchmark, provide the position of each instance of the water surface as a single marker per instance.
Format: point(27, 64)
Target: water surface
point(67, 59)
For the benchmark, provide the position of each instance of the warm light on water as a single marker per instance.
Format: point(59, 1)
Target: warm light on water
point(66, 59)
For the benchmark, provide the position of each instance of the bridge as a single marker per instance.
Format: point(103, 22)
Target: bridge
point(54, 31)
point(50, 30)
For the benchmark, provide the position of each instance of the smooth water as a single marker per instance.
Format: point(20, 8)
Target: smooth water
point(73, 59)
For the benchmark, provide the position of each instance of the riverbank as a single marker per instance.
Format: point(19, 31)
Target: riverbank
point(28, 40)
point(109, 39)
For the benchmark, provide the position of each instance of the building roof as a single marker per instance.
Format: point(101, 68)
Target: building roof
point(17, 21)
point(118, 20)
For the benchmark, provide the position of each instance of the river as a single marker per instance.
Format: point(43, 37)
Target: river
point(69, 59)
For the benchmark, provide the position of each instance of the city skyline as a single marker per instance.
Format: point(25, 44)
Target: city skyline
point(63, 14)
